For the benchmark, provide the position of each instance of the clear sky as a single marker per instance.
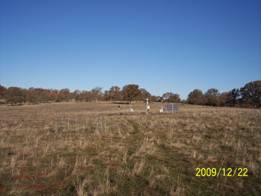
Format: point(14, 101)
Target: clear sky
point(175, 45)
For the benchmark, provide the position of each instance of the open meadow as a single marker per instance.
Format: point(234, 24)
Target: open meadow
point(100, 149)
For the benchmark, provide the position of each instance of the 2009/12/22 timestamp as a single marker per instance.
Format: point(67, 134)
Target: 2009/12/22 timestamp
point(216, 172)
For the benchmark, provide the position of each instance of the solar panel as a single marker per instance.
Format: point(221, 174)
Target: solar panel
point(170, 107)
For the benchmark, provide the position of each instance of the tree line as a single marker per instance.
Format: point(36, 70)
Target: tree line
point(247, 96)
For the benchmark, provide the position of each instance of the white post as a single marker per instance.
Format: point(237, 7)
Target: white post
point(147, 106)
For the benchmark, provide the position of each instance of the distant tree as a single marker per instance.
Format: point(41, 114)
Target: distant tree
point(66, 94)
point(2, 91)
point(171, 97)
point(251, 94)
point(96, 94)
point(155, 98)
point(114, 94)
point(45, 95)
point(77, 95)
point(31, 95)
point(107, 95)
point(234, 96)
point(63, 95)
point(144, 94)
point(212, 97)
point(52, 94)
point(15, 95)
point(166, 96)
point(230, 98)
point(196, 97)
point(224, 99)
point(131, 92)
point(37, 95)
point(85, 96)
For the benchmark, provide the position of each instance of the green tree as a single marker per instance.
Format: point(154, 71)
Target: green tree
point(251, 94)
point(131, 92)
point(171, 97)
point(196, 97)
point(144, 94)
point(2, 91)
point(15, 95)
point(212, 97)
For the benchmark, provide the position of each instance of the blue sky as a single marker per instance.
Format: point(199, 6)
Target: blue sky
point(161, 45)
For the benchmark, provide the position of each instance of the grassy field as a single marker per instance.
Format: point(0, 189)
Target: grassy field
point(99, 149)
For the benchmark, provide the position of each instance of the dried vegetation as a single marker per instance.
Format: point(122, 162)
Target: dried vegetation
point(97, 149)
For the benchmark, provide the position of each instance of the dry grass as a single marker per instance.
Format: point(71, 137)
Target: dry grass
point(97, 149)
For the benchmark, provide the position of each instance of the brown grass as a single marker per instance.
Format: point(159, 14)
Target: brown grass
point(97, 149)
